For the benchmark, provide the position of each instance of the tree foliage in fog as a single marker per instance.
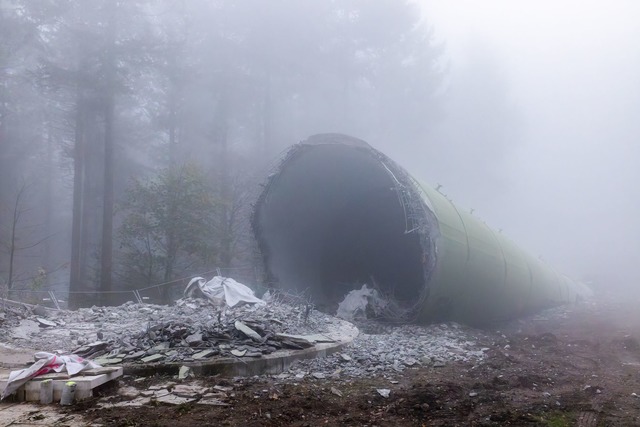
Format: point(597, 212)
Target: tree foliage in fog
point(95, 93)
point(169, 227)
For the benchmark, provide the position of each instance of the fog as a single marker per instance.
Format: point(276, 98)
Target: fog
point(135, 135)
point(557, 167)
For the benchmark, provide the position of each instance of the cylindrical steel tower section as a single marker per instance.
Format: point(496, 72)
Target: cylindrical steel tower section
point(337, 214)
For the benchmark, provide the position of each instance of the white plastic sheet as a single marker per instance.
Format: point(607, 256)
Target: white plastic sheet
point(223, 289)
point(356, 303)
point(45, 363)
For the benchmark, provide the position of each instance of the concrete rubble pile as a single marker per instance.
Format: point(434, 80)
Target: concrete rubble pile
point(195, 329)
point(10, 317)
point(191, 330)
point(392, 349)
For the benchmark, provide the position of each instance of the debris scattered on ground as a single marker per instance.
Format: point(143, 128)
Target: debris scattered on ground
point(396, 348)
point(45, 363)
point(192, 329)
point(170, 393)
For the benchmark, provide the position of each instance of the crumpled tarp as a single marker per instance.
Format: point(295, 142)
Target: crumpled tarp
point(45, 363)
point(359, 302)
point(222, 289)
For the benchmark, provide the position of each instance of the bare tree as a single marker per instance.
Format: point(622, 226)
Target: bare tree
point(16, 229)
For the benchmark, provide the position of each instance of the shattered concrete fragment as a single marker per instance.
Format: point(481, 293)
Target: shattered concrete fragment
point(171, 399)
point(384, 392)
point(134, 355)
point(184, 372)
point(247, 331)
point(164, 386)
point(345, 357)
point(152, 358)
point(213, 401)
point(108, 361)
point(203, 354)
point(194, 340)
point(186, 390)
point(160, 347)
point(410, 361)
point(128, 391)
point(307, 339)
point(46, 323)
point(139, 401)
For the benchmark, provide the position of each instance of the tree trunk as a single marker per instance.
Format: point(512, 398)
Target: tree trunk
point(48, 203)
point(12, 246)
point(106, 253)
point(173, 140)
point(76, 279)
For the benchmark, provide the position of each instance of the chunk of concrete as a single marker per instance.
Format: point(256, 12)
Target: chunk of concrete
point(171, 399)
point(152, 358)
point(187, 390)
point(247, 331)
point(194, 340)
point(184, 372)
point(203, 354)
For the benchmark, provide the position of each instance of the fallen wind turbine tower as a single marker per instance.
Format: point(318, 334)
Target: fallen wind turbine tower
point(337, 214)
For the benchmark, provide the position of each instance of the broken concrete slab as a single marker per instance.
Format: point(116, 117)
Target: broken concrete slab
point(46, 323)
point(247, 331)
point(184, 372)
point(185, 390)
point(194, 340)
point(108, 361)
point(135, 355)
point(171, 399)
point(318, 338)
point(153, 358)
point(213, 401)
point(138, 401)
point(86, 381)
point(203, 354)
point(128, 391)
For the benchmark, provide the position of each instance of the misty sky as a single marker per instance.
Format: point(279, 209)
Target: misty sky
point(557, 169)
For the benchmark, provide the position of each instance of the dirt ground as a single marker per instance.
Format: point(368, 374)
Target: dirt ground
point(580, 368)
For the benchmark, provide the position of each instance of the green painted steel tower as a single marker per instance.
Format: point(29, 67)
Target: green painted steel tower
point(337, 214)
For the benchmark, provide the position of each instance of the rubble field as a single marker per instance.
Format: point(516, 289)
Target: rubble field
point(192, 330)
point(195, 330)
point(575, 365)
